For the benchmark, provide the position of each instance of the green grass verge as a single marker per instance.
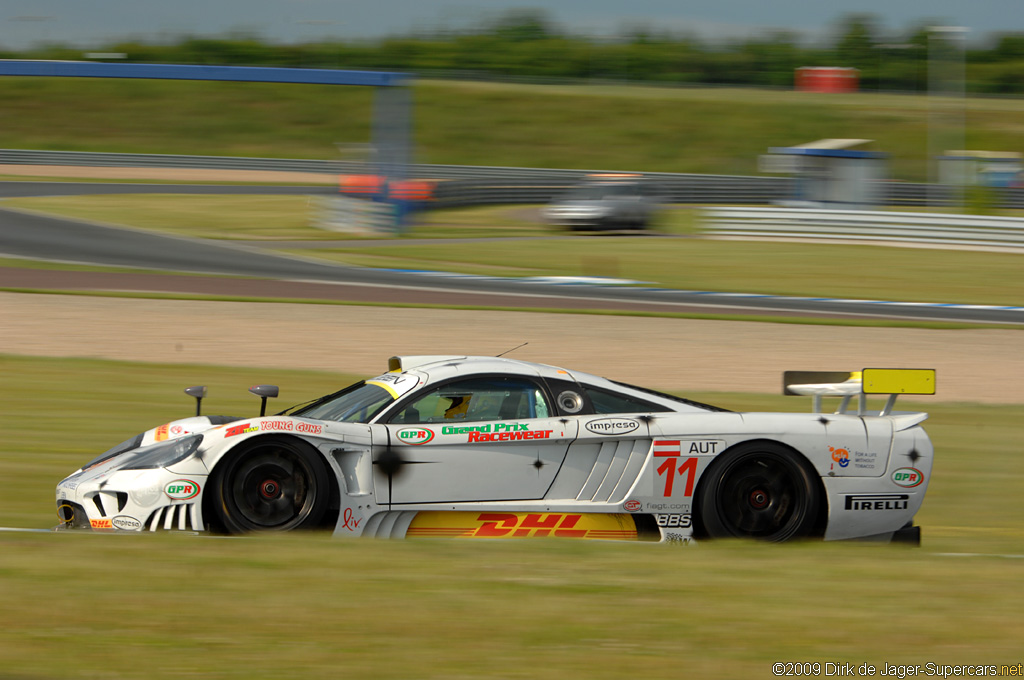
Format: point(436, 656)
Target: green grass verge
point(703, 130)
point(167, 606)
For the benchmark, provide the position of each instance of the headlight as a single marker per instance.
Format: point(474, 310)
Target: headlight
point(164, 454)
point(126, 445)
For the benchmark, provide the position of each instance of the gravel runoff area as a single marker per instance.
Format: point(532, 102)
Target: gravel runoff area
point(975, 365)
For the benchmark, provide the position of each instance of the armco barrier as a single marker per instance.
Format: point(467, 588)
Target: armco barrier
point(480, 185)
point(866, 225)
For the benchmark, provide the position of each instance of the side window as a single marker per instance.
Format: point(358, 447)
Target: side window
point(609, 402)
point(477, 399)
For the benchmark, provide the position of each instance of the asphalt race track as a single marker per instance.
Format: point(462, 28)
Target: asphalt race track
point(34, 236)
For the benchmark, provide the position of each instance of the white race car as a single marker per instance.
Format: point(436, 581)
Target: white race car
point(497, 448)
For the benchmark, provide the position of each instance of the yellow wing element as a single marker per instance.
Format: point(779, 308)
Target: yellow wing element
point(890, 381)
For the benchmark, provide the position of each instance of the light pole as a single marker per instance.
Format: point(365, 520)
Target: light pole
point(946, 116)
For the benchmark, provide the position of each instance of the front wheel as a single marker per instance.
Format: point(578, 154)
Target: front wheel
point(270, 484)
point(759, 490)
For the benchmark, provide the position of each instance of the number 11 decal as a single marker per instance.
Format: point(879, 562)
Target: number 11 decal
point(670, 468)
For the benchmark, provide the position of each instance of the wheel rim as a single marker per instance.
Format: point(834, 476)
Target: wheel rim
point(272, 488)
point(762, 495)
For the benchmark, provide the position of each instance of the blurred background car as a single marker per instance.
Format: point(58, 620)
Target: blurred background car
point(613, 201)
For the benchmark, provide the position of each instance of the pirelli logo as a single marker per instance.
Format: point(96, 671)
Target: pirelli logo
point(877, 501)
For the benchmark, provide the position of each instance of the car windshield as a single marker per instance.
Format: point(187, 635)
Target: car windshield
point(356, 404)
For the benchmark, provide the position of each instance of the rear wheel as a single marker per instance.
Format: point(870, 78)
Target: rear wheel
point(759, 490)
point(270, 484)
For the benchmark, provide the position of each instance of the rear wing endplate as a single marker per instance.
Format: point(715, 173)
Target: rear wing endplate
point(846, 385)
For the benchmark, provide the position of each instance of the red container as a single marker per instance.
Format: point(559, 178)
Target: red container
point(827, 79)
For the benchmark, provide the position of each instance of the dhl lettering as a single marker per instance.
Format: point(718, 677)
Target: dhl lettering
point(101, 524)
point(433, 524)
point(505, 525)
point(508, 436)
point(161, 433)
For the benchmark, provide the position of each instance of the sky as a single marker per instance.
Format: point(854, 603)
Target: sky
point(91, 23)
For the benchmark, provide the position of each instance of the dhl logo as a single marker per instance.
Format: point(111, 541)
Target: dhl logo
point(523, 525)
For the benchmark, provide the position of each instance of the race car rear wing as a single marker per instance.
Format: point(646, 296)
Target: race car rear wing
point(846, 385)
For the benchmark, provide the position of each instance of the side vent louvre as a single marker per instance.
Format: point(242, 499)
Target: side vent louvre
point(173, 518)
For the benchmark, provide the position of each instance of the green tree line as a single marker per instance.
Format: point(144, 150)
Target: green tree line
point(526, 44)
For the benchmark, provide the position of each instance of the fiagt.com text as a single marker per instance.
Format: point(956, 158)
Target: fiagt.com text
point(898, 671)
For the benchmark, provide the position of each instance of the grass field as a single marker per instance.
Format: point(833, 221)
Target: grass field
point(169, 606)
point(308, 606)
point(720, 131)
point(798, 269)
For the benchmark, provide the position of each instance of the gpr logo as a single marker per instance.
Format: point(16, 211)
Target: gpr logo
point(182, 489)
point(907, 477)
point(415, 436)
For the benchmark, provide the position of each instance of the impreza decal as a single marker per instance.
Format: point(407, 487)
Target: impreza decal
point(181, 489)
point(612, 426)
point(415, 435)
point(523, 525)
point(877, 501)
point(126, 523)
point(907, 477)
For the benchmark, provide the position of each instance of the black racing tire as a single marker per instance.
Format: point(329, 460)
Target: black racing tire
point(270, 484)
point(759, 490)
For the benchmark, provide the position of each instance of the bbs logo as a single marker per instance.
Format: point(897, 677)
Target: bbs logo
point(674, 521)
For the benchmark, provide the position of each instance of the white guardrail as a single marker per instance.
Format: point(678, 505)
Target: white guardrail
point(866, 225)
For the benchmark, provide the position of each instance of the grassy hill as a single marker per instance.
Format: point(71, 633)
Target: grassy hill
point(698, 130)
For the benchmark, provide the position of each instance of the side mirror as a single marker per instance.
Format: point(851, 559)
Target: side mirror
point(197, 392)
point(264, 392)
